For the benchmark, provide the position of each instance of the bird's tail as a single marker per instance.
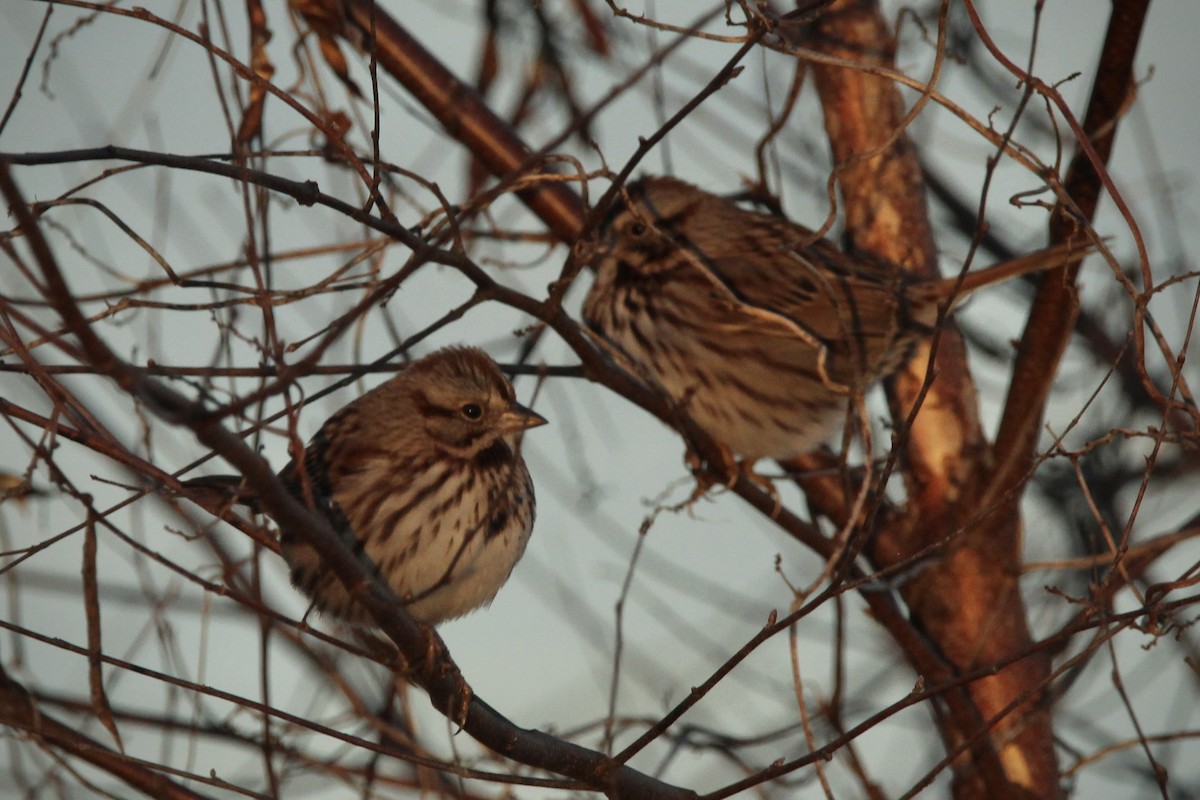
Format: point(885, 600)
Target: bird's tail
point(222, 490)
point(1060, 255)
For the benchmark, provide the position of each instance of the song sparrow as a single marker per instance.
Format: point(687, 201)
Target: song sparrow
point(757, 328)
point(424, 478)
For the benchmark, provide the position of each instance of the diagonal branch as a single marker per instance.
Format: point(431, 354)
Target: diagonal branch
point(18, 710)
point(464, 114)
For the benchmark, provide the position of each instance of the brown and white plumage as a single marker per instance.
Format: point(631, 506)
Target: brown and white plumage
point(423, 477)
point(761, 330)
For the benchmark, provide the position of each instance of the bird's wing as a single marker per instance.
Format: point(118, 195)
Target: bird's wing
point(850, 318)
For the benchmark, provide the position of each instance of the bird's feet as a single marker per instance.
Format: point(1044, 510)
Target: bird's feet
point(728, 470)
point(439, 668)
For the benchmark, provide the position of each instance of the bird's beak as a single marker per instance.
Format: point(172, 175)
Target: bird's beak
point(519, 418)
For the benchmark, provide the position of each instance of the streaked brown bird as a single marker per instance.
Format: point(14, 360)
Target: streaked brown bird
point(760, 330)
point(424, 478)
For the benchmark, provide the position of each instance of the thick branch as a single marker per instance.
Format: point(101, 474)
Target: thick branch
point(967, 601)
point(1055, 308)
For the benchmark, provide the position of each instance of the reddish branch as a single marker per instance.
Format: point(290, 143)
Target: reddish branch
point(463, 113)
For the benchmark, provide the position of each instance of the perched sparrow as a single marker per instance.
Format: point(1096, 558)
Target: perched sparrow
point(758, 331)
point(424, 478)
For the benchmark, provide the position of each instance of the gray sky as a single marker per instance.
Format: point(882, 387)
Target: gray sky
point(705, 582)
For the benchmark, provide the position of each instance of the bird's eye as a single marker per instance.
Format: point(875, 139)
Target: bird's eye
point(472, 411)
point(636, 229)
